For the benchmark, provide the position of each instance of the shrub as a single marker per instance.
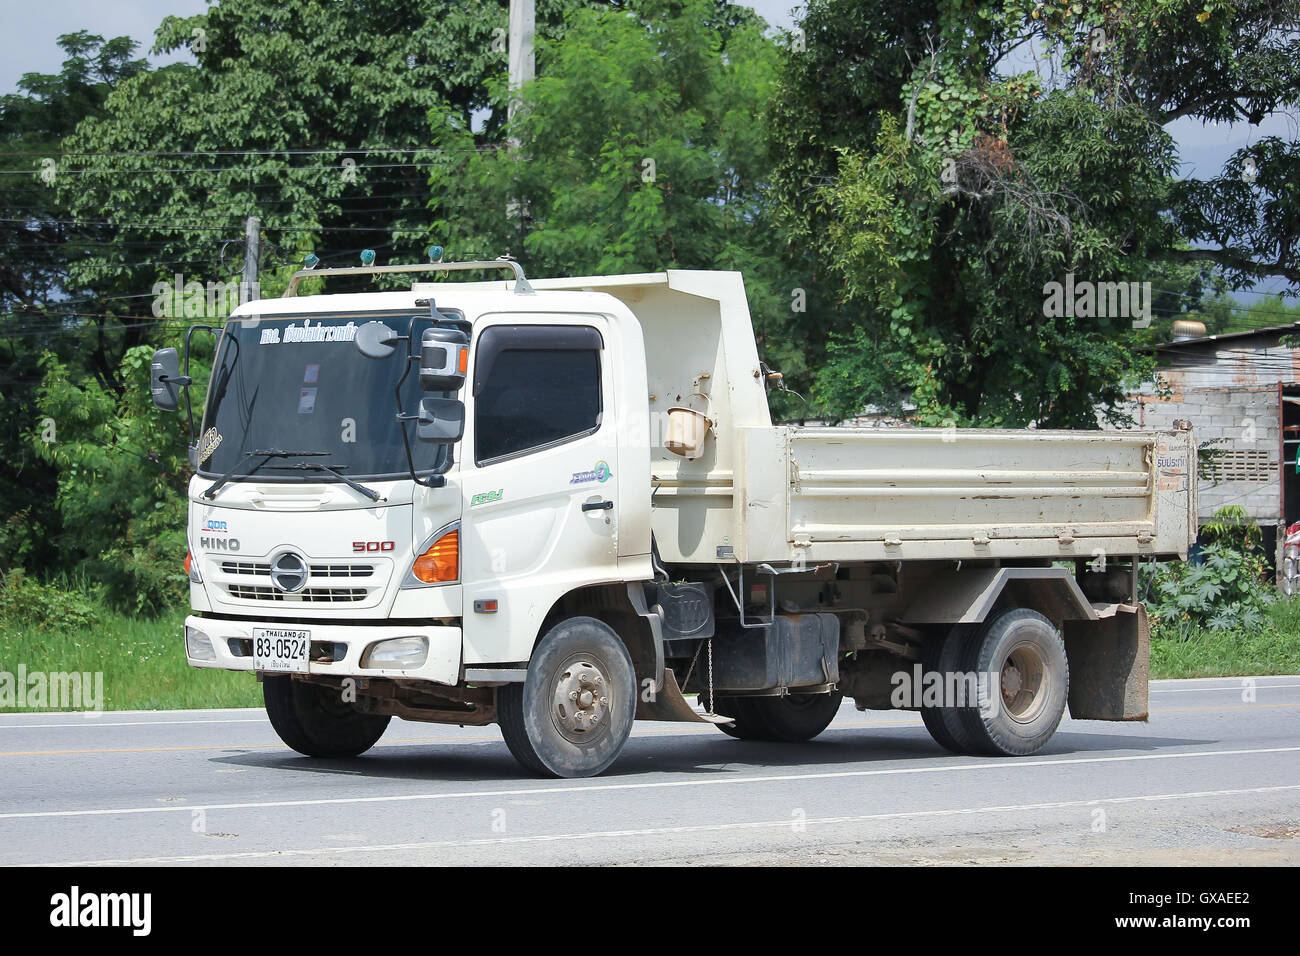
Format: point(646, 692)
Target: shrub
point(25, 602)
point(1227, 591)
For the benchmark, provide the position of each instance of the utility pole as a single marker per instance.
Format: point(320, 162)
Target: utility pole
point(248, 290)
point(523, 23)
point(523, 67)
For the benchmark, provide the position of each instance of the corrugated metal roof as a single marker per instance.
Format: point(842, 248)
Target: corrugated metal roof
point(1234, 336)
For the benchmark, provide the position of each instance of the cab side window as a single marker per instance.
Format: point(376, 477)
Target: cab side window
point(534, 387)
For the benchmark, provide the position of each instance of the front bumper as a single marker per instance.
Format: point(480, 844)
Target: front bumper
point(229, 640)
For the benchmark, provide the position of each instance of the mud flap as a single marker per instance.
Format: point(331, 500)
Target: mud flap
point(1110, 664)
point(669, 704)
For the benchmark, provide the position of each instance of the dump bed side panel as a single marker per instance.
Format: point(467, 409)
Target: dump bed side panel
point(846, 494)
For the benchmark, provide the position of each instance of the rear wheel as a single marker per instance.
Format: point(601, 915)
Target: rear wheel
point(315, 720)
point(789, 719)
point(743, 725)
point(573, 713)
point(943, 656)
point(1024, 680)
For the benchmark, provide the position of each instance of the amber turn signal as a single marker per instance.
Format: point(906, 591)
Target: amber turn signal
point(441, 562)
point(187, 563)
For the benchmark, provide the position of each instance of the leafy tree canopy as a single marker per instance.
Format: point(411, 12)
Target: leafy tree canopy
point(943, 186)
point(636, 149)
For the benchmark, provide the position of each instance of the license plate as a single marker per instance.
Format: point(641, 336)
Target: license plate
point(276, 649)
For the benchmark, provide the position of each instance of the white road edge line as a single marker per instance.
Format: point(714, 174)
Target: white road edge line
point(991, 764)
point(664, 831)
point(1202, 690)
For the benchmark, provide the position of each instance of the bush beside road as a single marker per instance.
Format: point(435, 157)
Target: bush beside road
point(61, 630)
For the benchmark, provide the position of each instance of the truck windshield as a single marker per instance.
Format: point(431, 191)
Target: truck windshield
point(298, 382)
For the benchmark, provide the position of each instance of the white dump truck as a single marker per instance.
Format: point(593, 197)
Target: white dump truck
point(561, 505)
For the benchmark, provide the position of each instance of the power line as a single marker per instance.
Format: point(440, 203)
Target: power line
point(334, 168)
point(196, 227)
point(305, 151)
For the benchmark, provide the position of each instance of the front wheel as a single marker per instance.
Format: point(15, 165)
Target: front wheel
point(573, 713)
point(315, 720)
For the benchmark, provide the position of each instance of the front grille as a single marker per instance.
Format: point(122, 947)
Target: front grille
point(316, 570)
point(342, 570)
point(249, 592)
point(244, 567)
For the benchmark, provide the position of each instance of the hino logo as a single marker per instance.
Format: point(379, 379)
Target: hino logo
point(288, 571)
point(219, 544)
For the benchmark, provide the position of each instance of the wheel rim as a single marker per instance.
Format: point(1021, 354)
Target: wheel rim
point(1025, 683)
point(580, 708)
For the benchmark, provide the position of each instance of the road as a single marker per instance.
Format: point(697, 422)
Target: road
point(1214, 778)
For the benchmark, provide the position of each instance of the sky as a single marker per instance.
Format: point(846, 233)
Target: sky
point(27, 44)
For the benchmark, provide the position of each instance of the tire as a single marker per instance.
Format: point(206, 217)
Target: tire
point(315, 721)
point(540, 718)
point(790, 719)
point(1022, 698)
point(943, 656)
point(745, 725)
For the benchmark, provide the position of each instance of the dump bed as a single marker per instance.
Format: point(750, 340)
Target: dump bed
point(852, 494)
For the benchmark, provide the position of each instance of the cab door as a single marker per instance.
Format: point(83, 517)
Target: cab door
point(540, 512)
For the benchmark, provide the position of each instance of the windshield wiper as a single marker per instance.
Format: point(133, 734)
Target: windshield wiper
point(267, 454)
point(316, 466)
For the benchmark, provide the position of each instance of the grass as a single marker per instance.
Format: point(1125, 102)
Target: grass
point(142, 660)
point(1202, 652)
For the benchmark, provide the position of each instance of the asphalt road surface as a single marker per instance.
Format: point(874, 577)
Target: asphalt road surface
point(1214, 778)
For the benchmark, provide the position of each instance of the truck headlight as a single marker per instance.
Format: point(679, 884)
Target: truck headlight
point(397, 652)
point(198, 645)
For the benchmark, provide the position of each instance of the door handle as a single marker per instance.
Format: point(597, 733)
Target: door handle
point(597, 505)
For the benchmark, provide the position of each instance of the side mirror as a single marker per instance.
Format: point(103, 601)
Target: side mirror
point(165, 379)
point(444, 358)
point(375, 340)
point(441, 420)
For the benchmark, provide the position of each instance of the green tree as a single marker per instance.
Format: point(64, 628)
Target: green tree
point(638, 149)
point(317, 118)
point(122, 472)
point(943, 191)
point(41, 308)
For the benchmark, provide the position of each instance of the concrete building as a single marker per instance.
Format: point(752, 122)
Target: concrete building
point(1241, 392)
